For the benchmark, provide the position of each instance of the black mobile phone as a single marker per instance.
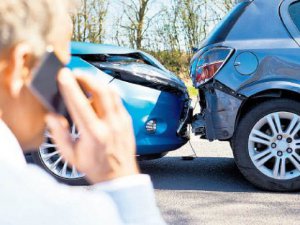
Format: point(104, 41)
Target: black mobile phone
point(44, 84)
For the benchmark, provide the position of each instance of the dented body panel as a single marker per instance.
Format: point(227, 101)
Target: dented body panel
point(220, 113)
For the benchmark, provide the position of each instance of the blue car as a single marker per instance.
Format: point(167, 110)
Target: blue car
point(156, 99)
point(248, 76)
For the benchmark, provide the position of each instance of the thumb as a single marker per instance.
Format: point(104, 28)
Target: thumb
point(59, 128)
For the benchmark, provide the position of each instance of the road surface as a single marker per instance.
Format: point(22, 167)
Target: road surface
point(210, 190)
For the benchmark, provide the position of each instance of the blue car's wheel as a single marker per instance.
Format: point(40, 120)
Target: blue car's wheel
point(51, 161)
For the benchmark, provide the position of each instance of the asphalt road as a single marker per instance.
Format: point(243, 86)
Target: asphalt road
point(210, 190)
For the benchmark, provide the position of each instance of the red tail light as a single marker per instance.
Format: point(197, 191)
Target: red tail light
point(209, 64)
point(206, 72)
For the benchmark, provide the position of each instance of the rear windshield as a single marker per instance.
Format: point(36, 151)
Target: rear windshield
point(221, 31)
point(294, 11)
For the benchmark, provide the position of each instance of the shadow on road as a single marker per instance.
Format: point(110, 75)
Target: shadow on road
point(204, 173)
point(208, 174)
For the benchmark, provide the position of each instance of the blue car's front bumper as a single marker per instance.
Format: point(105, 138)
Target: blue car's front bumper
point(145, 104)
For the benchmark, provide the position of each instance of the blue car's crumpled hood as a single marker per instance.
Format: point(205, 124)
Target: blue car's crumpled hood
point(85, 49)
point(142, 74)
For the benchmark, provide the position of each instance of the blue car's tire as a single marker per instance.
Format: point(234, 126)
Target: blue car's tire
point(36, 157)
point(48, 158)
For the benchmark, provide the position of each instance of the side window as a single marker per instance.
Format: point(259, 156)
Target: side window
point(294, 11)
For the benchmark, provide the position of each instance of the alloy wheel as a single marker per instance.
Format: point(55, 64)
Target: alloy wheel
point(54, 161)
point(274, 145)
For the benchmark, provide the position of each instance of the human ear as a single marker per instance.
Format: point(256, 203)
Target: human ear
point(18, 68)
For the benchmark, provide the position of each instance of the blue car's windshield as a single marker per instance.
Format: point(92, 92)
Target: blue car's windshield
point(221, 31)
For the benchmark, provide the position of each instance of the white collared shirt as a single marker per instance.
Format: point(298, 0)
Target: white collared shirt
point(30, 196)
point(10, 150)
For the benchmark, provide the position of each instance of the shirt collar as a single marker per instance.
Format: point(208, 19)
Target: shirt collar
point(10, 150)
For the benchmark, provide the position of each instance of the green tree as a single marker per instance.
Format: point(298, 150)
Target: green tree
point(137, 20)
point(89, 22)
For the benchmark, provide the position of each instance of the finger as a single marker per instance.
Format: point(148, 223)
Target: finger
point(77, 103)
point(120, 109)
point(117, 101)
point(59, 129)
point(102, 97)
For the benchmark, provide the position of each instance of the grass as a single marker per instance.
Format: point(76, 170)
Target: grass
point(193, 92)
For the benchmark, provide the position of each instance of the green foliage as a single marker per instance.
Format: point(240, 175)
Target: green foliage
point(193, 92)
point(175, 61)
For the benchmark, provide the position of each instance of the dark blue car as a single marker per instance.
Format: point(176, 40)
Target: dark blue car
point(248, 76)
point(156, 99)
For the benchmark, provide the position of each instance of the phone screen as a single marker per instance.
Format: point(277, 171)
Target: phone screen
point(44, 84)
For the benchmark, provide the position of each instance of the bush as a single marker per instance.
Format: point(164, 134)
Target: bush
point(175, 61)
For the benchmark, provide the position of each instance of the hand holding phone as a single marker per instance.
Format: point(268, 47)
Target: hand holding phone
point(106, 147)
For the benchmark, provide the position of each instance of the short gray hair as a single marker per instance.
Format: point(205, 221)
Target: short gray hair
point(30, 21)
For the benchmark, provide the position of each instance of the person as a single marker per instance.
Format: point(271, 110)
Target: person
point(105, 151)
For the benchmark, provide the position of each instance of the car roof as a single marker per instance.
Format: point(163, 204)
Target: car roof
point(260, 25)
